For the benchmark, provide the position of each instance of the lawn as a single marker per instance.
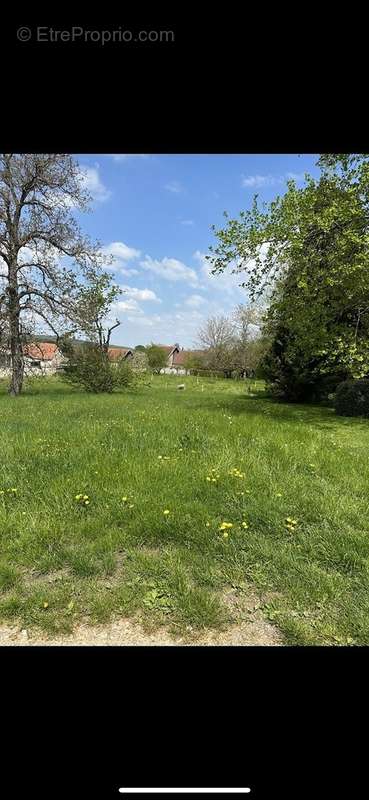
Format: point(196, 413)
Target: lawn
point(157, 473)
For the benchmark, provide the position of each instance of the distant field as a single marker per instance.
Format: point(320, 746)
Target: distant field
point(291, 482)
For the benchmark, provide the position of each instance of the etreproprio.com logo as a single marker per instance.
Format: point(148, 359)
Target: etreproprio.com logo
point(78, 35)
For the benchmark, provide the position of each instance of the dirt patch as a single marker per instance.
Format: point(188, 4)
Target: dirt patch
point(250, 629)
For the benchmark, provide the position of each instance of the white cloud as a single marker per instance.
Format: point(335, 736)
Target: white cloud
point(140, 294)
point(91, 181)
point(258, 181)
point(225, 282)
point(121, 253)
point(174, 187)
point(128, 305)
point(195, 300)
point(166, 328)
point(125, 156)
point(128, 272)
point(170, 269)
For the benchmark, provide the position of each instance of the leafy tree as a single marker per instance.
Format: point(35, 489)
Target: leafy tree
point(140, 348)
point(45, 261)
point(309, 250)
point(157, 358)
point(193, 360)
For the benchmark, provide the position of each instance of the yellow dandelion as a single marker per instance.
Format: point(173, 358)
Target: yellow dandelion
point(208, 524)
point(225, 534)
point(124, 499)
point(166, 512)
point(245, 525)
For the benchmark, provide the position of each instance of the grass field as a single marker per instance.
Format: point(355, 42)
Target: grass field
point(162, 471)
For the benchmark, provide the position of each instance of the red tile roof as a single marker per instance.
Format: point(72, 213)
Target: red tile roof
point(116, 353)
point(179, 359)
point(167, 347)
point(43, 351)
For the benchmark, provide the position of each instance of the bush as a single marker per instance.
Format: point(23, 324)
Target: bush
point(89, 368)
point(352, 398)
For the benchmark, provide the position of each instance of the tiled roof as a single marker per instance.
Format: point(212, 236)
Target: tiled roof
point(167, 347)
point(116, 353)
point(44, 351)
point(179, 359)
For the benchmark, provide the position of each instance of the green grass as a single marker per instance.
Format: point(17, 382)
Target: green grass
point(61, 561)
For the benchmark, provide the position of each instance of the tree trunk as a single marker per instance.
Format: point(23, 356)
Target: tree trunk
point(16, 351)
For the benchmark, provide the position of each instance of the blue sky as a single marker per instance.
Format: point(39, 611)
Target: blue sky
point(154, 214)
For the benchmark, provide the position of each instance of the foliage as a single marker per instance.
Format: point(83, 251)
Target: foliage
point(193, 361)
point(352, 399)
point(88, 367)
point(48, 268)
point(309, 250)
point(157, 358)
point(233, 345)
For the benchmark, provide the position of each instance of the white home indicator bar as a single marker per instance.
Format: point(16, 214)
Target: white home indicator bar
point(181, 790)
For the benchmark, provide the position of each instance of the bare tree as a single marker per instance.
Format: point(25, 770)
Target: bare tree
point(44, 258)
point(217, 337)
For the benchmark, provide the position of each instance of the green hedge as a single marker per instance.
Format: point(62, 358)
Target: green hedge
point(352, 398)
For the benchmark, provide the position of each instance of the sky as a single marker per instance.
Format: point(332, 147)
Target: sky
point(154, 214)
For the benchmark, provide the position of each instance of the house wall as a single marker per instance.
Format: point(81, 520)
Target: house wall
point(46, 367)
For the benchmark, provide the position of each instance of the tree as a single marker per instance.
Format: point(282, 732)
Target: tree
point(140, 348)
point(309, 249)
point(45, 261)
point(157, 358)
point(92, 310)
point(217, 336)
point(193, 360)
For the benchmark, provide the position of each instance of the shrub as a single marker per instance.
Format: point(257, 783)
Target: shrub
point(157, 358)
point(124, 376)
point(89, 367)
point(352, 398)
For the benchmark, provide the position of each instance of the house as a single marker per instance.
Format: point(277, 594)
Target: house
point(118, 353)
point(177, 359)
point(43, 357)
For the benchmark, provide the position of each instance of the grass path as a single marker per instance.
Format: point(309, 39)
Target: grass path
point(291, 481)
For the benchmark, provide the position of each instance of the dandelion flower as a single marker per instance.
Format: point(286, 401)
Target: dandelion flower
point(208, 524)
point(244, 525)
point(166, 512)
